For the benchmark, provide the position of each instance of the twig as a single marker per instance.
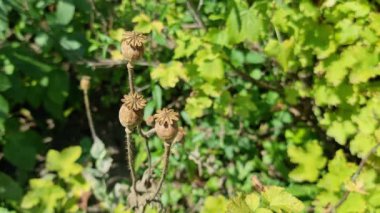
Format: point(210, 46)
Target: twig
point(164, 170)
point(99, 15)
point(85, 86)
point(147, 150)
point(108, 63)
point(89, 115)
point(130, 78)
point(195, 15)
point(149, 133)
point(130, 160)
point(356, 175)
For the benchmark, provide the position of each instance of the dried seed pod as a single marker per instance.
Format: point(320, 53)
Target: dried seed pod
point(166, 124)
point(85, 83)
point(131, 112)
point(132, 45)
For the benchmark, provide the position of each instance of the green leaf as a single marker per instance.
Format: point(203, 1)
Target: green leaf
point(310, 160)
point(238, 205)
point(9, 189)
point(280, 200)
point(4, 82)
point(214, 204)
point(233, 27)
point(282, 52)
point(348, 32)
point(237, 58)
point(65, 12)
point(169, 74)
point(69, 43)
point(29, 142)
point(354, 203)
point(252, 25)
point(149, 109)
point(43, 192)
point(64, 162)
point(340, 171)
point(157, 96)
point(211, 70)
point(253, 201)
point(196, 105)
point(341, 130)
point(255, 58)
point(263, 210)
point(4, 106)
point(243, 105)
point(98, 150)
point(362, 144)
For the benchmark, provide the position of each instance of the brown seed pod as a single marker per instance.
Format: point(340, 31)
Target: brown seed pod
point(131, 112)
point(85, 83)
point(166, 124)
point(132, 45)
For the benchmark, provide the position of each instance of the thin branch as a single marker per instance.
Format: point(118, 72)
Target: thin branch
point(89, 115)
point(147, 150)
point(130, 160)
point(195, 15)
point(99, 15)
point(85, 86)
point(130, 78)
point(149, 133)
point(109, 63)
point(356, 175)
point(164, 170)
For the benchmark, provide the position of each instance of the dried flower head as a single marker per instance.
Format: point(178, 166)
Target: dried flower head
point(166, 116)
point(85, 83)
point(133, 39)
point(134, 101)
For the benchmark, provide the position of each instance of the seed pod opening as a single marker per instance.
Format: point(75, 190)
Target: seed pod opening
point(166, 124)
point(131, 111)
point(132, 45)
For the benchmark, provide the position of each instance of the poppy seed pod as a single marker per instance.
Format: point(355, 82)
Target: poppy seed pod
point(132, 45)
point(131, 112)
point(85, 83)
point(166, 124)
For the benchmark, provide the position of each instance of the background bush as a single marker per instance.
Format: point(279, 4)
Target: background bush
point(286, 91)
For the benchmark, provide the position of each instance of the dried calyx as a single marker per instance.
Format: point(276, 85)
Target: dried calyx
point(132, 45)
point(165, 124)
point(131, 111)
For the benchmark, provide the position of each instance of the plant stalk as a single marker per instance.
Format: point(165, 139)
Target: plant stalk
point(147, 149)
point(130, 77)
point(89, 115)
point(130, 160)
point(164, 170)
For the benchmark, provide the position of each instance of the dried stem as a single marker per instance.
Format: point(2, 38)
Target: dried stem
point(147, 149)
point(356, 175)
point(130, 160)
point(89, 115)
point(130, 78)
point(164, 170)
point(195, 14)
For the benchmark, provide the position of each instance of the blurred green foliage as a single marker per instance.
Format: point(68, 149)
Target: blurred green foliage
point(287, 91)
